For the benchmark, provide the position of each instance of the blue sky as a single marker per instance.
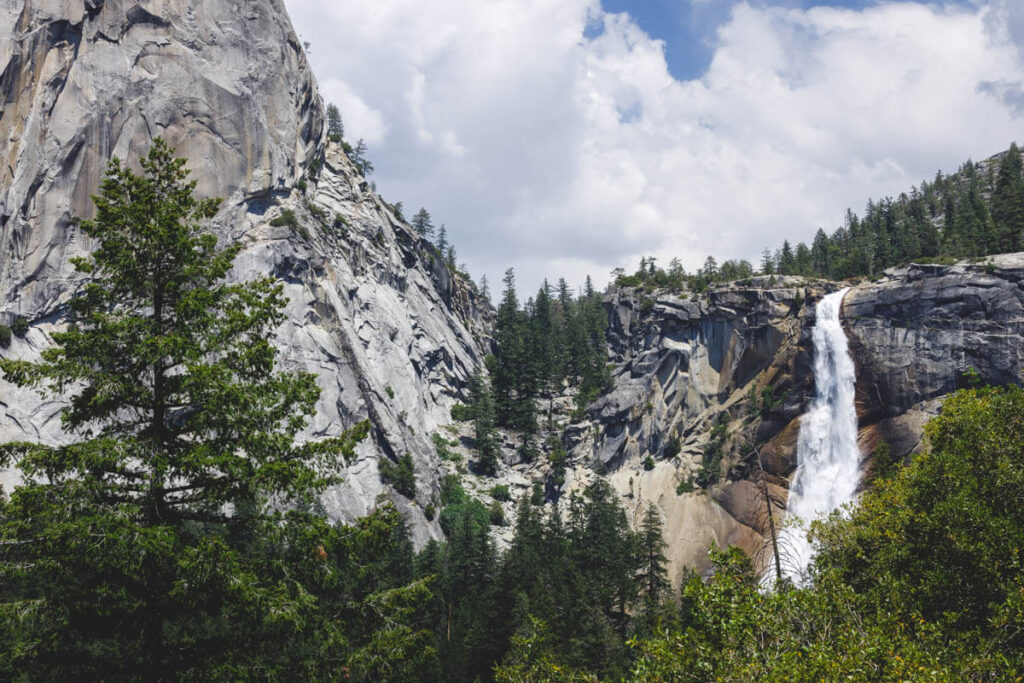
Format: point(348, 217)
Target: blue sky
point(679, 129)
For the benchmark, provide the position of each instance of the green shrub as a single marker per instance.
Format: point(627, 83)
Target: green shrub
point(5, 336)
point(500, 492)
point(461, 412)
point(429, 512)
point(20, 326)
point(452, 492)
point(497, 514)
point(401, 476)
point(685, 486)
point(389, 391)
point(302, 185)
point(557, 457)
point(537, 493)
point(285, 219)
point(648, 463)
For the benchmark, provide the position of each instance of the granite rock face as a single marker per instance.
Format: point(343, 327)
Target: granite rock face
point(389, 331)
point(226, 83)
point(917, 331)
point(682, 362)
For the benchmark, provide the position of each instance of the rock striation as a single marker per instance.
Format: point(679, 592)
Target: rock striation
point(389, 331)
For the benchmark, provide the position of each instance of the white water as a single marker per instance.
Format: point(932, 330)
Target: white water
point(828, 459)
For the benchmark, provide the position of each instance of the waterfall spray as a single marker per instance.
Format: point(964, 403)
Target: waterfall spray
point(828, 458)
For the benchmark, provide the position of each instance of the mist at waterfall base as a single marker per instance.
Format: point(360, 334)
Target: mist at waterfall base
point(828, 458)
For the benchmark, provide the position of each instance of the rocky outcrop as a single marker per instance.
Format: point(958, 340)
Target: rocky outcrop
point(739, 355)
point(921, 330)
point(683, 362)
point(390, 332)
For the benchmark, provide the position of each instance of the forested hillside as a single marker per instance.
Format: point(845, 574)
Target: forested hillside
point(974, 212)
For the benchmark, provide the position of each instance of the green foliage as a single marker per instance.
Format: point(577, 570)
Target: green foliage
point(921, 582)
point(883, 460)
point(496, 514)
point(558, 457)
point(485, 438)
point(648, 463)
point(461, 412)
point(153, 544)
point(500, 492)
point(285, 219)
point(769, 401)
point(5, 336)
point(550, 342)
point(422, 223)
point(443, 448)
point(430, 512)
point(684, 486)
point(335, 125)
point(537, 493)
point(401, 476)
point(711, 462)
point(357, 155)
point(389, 391)
point(20, 326)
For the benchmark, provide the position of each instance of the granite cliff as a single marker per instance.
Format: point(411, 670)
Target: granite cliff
point(390, 332)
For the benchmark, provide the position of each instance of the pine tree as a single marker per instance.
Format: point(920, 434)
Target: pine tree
point(653, 574)
point(442, 241)
point(142, 535)
point(481, 406)
point(485, 288)
point(335, 127)
point(422, 224)
point(1008, 202)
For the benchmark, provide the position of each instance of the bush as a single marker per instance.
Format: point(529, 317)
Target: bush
point(648, 463)
point(452, 492)
point(5, 336)
point(429, 512)
point(461, 412)
point(20, 326)
point(285, 219)
point(497, 514)
point(685, 486)
point(389, 391)
point(537, 493)
point(401, 476)
point(500, 492)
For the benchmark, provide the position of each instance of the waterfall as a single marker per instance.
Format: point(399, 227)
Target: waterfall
point(828, 459)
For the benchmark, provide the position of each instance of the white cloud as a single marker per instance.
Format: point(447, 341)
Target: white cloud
point(562, 156)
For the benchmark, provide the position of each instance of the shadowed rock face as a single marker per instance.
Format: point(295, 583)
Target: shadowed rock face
point(225, 83)
point(391, 334)
point(917, 331)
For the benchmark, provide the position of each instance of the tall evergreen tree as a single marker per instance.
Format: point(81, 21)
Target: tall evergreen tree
point(335, 127)
point(1008, 202)
point(481, 406)
point(144, 535)
point(422, 224)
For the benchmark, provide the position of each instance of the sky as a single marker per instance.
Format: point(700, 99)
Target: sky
point(570, 137)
